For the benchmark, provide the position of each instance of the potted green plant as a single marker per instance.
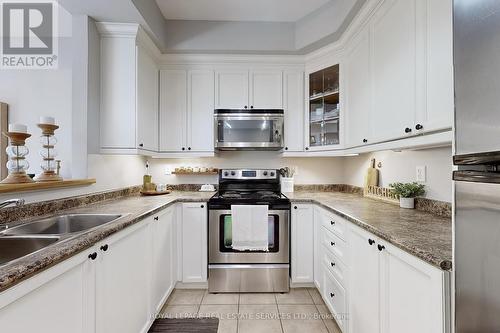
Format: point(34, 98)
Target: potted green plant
point(406, 192)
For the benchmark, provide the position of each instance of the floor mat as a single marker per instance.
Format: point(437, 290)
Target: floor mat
point(188, 325)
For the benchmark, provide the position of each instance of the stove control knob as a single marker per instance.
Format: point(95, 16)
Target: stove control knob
point(226, 173)
point(272, 173)
point(265, 173)
point(233, 173)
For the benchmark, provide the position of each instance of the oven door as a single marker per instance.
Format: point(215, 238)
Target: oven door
point(220, 240)
point(249, 131)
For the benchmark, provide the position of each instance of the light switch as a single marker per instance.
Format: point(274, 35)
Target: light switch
point(421, 173)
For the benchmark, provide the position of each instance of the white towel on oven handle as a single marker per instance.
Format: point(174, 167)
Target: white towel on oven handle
point(250, 227)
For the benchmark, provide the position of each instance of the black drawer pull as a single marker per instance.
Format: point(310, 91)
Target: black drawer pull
point(332, 295)
point(332, 263)
point(332, 222)
point(93, 256)
point(156, 218)
point(332, 243)
point(104, 247)
point(380, 247)
point(371, 241)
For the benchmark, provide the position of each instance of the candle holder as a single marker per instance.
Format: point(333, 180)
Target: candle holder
point(48, 153)
point(17, 164)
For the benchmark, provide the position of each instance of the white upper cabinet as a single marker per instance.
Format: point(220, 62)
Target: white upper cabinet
point(231, 89)
point(394, 69)
point(173, 110)
point(201, 110)
point(147, 101)
point(294, 111)
point(266, 89)
point(248, 89)
point(129, 89)
point(358, 91)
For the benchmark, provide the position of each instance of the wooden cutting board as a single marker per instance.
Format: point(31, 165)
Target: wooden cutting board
point(372, 175)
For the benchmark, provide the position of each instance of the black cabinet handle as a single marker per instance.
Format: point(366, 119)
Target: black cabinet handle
point(419, 127)
point(332, 222)
point(332, 295)
point(104, 247)
point(189, 148)
point(307, 148)
point(183, 148)
point(332, 243)
point(365, 140)
point(202, 206)
point(371, 241)
point(380, 247)
point(141, 144)
point(286, 148)
point(156, 218)
point(246, 107)
point(93, 256)
point(294, 207)
point(332, 263)
point(251, 107)
point(407, 130)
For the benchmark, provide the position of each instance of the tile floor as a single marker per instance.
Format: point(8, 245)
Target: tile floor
point(301, 310)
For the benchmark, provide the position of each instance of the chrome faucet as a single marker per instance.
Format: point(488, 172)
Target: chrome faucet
point(16, 202)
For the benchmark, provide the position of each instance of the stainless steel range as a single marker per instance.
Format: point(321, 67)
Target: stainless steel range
point(231, 270)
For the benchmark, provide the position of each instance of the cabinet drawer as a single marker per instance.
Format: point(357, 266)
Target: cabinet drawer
point(334, 223)
point(336, 267)
point(336, 245)
point(335, 297)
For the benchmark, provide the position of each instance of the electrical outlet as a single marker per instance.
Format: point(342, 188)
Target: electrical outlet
point(421, 173)
point(168, 172)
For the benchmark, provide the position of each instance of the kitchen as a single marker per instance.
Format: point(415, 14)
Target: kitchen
point(274, 166)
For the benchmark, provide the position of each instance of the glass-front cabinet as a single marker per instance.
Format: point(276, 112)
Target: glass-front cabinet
point(324, 107)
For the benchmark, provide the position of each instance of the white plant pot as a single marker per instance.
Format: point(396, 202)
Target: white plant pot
point(287, 185)
point(407, 203)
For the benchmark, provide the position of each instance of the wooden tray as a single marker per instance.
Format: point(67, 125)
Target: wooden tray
point(150, 193)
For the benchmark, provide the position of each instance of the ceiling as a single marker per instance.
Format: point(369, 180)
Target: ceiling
point(239, 10)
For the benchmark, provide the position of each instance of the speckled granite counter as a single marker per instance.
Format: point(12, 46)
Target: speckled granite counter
point(134, 209)
point(422, 234)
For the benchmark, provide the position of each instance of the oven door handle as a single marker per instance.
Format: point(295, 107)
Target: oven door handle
point(239, 266)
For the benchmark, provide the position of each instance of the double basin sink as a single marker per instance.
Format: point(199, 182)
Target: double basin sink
point(25, 239)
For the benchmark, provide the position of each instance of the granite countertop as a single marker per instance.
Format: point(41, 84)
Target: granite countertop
point(133, 209)
point(424, 235)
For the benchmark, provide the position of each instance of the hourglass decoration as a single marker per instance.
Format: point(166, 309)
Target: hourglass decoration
point(17, 152)
point(48, 153)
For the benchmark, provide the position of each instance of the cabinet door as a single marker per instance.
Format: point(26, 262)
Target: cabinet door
point(302, 244)
point(122, 285)
point(231, 89)
point(294, 111)
point(394, 69)
point(364, 283)
point(173, 110)
point(194, 242)
point(318, 249)
point(118, 93)
point(163, 258)
point(437, 113)
point(147, 101)
point(58, 300)
point(266, 89)
point(201, 110)
point(358, 92)
point(412, 294)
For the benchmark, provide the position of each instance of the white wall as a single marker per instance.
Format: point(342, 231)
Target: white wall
point(310, 170)
point(401, 166)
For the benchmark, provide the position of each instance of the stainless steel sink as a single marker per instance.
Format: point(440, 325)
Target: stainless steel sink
point(12, 248)
point(62, 225)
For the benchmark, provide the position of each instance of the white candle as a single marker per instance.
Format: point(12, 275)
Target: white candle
point(48, 120)
point(18, 128)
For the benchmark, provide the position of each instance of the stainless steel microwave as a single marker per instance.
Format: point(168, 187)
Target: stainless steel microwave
point(249, 129)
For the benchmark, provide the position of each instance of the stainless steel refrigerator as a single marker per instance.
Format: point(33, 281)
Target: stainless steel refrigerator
point(477, 155)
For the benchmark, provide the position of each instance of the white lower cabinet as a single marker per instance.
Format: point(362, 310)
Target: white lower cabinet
point(194, 242)
point(118, 285)
point(123, 281)
point(59, 300)
point(302, 243)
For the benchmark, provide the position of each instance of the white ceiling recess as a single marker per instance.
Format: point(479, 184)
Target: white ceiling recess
point(239, 10)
